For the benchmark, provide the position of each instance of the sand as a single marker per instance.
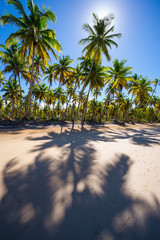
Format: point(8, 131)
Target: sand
point(91, 184)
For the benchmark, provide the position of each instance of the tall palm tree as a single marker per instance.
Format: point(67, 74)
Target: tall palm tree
point(36, 38)
point(99, 39)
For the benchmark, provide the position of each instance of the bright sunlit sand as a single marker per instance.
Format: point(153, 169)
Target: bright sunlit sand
point(99, 183)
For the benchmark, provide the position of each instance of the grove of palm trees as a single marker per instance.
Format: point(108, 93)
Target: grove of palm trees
point(79, 129)
point(91, 91)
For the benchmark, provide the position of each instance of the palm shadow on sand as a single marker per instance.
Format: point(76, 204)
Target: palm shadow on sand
point(68, 197)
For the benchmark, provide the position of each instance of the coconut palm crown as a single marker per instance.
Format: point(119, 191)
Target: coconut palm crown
point(100, 38)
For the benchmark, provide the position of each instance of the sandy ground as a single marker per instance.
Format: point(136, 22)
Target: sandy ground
point(91, 184)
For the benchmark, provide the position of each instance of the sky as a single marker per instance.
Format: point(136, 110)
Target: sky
point(137, 20)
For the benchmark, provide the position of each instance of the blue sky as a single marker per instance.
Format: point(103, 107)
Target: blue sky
point(137, 20)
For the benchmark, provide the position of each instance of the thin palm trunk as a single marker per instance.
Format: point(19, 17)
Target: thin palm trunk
point(31, 81)
point(38, 109)
point(20, 97)
point(13, 109)
point(85, 107)
point(79, 102)
point(48, 101)
point(107, 110)
point(55, 101)
point(16, 94)
point(53, 109)
point(120, 91)
point(73, 102)
point(128, 110)
point(106, 102)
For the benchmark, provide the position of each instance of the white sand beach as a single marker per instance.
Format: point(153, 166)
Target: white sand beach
point(91, 184)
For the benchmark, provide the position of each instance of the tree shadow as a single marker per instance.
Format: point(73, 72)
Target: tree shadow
point(72, 195)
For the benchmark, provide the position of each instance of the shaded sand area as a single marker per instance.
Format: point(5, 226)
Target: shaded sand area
point(91, 184)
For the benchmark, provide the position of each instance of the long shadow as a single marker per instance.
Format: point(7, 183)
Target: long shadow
point(72, 196)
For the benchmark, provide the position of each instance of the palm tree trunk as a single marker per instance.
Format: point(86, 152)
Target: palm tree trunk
point(128, 111)
point(16, 95)
point(20, 97)
point(79, 103)
point(85, 107)
point(107, 111)
point(115, 120)
point(31, 82)
point(47, 101)
point(13, 109)
point(73, 102)
point(38, 109)
point(65, 114)
point(53, 109)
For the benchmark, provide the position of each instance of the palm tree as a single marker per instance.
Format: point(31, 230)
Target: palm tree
point(96, 92)
point(12, 92)
point(156, 82)
point(69, 94)
point(49, 75)
point(14, 65)
point(62, 69)
point(36, 38)
point(95, 80)
point(2, 79)
point(39, 65)
point(59, 96)
point(40, 92)
point(131, 86)
point(141, 90)
point(119, 75)
point(1, 106)
point(99, 39)
point(110, 92)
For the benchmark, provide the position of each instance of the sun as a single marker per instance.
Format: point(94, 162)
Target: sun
point(101, 13)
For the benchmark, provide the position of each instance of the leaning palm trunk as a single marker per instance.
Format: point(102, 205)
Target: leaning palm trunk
point(31, 82)
point(85, 107)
